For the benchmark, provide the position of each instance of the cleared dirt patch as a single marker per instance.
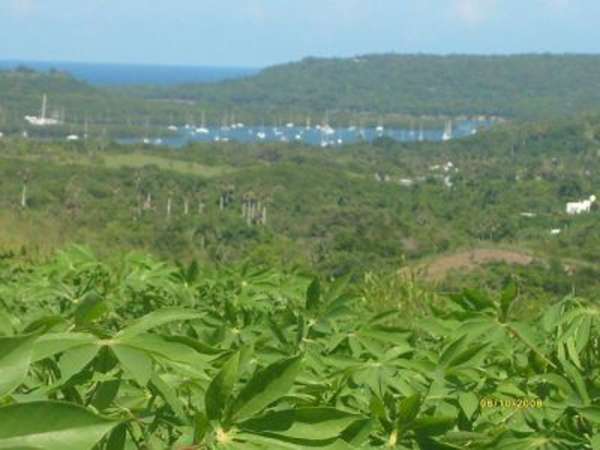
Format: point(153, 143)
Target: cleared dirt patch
point(469, 260)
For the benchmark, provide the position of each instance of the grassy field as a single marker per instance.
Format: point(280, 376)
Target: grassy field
point(133, 160)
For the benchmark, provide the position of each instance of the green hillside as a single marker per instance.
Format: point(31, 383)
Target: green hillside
point(76, 102)
point(337, 211)
point(526, 86)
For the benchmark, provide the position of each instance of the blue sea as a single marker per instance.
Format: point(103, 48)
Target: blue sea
point(182, 136)
point(132, 74)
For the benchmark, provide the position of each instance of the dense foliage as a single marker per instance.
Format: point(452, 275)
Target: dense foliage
point(143, 355)
point(336, 211)
point(392, 89)
point(524, 86)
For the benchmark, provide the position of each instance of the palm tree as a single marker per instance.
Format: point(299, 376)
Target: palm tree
point(226, 197)
point(25, 177)
point(171, 190)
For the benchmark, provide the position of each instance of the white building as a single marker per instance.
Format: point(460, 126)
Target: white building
point(585, 206)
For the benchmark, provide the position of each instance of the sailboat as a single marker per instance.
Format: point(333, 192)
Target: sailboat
point(447, 131)
point(172, 127)
point(261, 135)
point(308, 122)
point(352, 128)
point(42, 121)
point(379, 128)
point(421, 134)
point(225, 126)
point(146, 140)
point(326, 128)
point(203, 129)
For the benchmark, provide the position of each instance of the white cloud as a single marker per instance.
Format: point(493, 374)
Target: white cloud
point(474, 11)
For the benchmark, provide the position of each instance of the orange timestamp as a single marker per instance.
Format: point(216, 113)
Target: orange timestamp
point(513, 403)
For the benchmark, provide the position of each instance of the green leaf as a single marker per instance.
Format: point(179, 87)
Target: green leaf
point(591, 413)
point(117, 438)
point(91, 308)
point(220, 388)
point(595, 442)
point(74, 360)
point(453, 350)
point(467, 355)
point(201, 427)
point(169, 395)
point(157, 319)
point(266, 386)
point(51, 426)
point(572, 352)
point(577, 380)
point(525, 334)
point(303, 423)
point(408, 409)
point(105, 393)
point(469, 403)
point(51, 344)
point(313, 295)
point(509, 294)
point(15, 358)
point(433, 426)
point(135, 362)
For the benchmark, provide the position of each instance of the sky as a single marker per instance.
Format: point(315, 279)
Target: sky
point(259, 33)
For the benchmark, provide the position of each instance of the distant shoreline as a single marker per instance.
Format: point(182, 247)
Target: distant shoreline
point(107, 74)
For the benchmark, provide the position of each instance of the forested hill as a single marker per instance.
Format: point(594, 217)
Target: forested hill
point(21, 94)
point(525, 86)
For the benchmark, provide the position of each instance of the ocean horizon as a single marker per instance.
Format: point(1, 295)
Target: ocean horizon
point(119, 74)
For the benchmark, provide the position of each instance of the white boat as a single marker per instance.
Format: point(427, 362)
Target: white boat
point(326, 129)
point(421, 134)
point(203, 129)
point(261, 135)
point(172, 128)
point(379, 129)
point(447, 135)
point(42, 121)
point(145, 141)
point(158, 141)
point(72, 137)
point(289, 125)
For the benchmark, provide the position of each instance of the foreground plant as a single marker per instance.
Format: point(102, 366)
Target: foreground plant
point(148, 356)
